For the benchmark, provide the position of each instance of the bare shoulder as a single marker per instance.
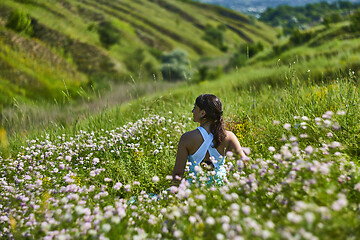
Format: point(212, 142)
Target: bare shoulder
point(190, 135)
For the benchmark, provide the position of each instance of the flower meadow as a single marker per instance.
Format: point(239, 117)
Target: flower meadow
point(115, 184)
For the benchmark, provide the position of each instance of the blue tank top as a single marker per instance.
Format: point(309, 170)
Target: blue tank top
point(196, 158)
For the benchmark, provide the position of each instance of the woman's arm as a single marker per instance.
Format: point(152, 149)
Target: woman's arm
point(234, 145)
point(181, 159)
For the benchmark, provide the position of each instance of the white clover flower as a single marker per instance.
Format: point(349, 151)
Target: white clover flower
point(304, 118)
point(117, 186)
point(107, 179)
point(293, 217)
point(210, 221)
point(246, 209)
point(287, 126)
point(192, 219)
point(309, 217)
point(340, 112)
point(219, 236)
point(271, 149)
point(95, 161)
point(225, 219)
point(106, 227)
point(246, 150)
point(357, 186)
point(177, 233)
point(155, 179)
point(276, 122)
point(309, 150)
point(335, 144)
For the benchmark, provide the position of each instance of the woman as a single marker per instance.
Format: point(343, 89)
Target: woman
point(208, 143)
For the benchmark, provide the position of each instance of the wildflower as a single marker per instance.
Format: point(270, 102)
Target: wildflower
point(229, 154)
point(106, 227)
point(107, 179)
point(309, 150)
point(117, 186)
point(357, 186)
point(304, 118)
point(246, 150)
point(192, 219)
point(287, 126)
point(246, 209)
point(327, 115)
point(293, 217)
point(271, 149)
point(96, 161)
point(276, 122)
point(127, 187)
point(155, 179)
point(177, 233)
point(335, 144)
point(340, 112)
point(210, 221)
point(309, 217)
point(219, 236)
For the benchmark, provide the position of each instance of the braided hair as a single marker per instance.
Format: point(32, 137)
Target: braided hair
point(212, 106)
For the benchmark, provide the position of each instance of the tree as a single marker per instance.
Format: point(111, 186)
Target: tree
point(175, 65)
point(355, 21)
point(108, 34)
point(215, 36)
point(20, 21)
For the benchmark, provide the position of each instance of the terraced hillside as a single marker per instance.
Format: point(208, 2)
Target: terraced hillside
point(64, 53)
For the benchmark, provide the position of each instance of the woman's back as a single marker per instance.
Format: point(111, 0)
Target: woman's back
point(208, 112)
point(194, 140)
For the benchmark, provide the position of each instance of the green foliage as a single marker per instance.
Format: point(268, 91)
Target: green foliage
point(290, 17)
point(244, 52)
point(207, 73)
point(355, 21)
point(108, 34)
point(141, 63)
point(332, 18)
point(175, 66)
point(298, 37)
point(20, 21)
point(215, 36)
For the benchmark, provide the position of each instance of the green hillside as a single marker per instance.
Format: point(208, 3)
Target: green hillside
point(64, 51)
point(293, 106)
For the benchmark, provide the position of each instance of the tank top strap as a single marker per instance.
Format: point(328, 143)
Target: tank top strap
point(200, 154)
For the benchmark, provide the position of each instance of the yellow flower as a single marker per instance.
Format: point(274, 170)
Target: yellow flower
point(3, 139)
point(13, 224)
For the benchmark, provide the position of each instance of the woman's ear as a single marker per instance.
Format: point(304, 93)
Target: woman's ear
point(203, 113)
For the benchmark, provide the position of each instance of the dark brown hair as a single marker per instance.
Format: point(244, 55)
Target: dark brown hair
point(212, 106)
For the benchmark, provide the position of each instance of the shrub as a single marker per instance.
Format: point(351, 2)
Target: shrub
point(175, 65)
point(297, 37)
point(214, 35)
point(332, 18)
point(108, 34)
point(244, 52)
point(20, 21)
point(355, 21)
point(206, 73)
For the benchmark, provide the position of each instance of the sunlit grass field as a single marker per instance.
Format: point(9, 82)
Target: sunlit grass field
point(97, 178)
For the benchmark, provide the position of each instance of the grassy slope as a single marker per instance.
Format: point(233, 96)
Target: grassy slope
point(63, 28)
point(253, 97)
point(327, 61)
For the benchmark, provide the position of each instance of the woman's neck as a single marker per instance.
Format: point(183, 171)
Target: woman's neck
point(206, 126)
